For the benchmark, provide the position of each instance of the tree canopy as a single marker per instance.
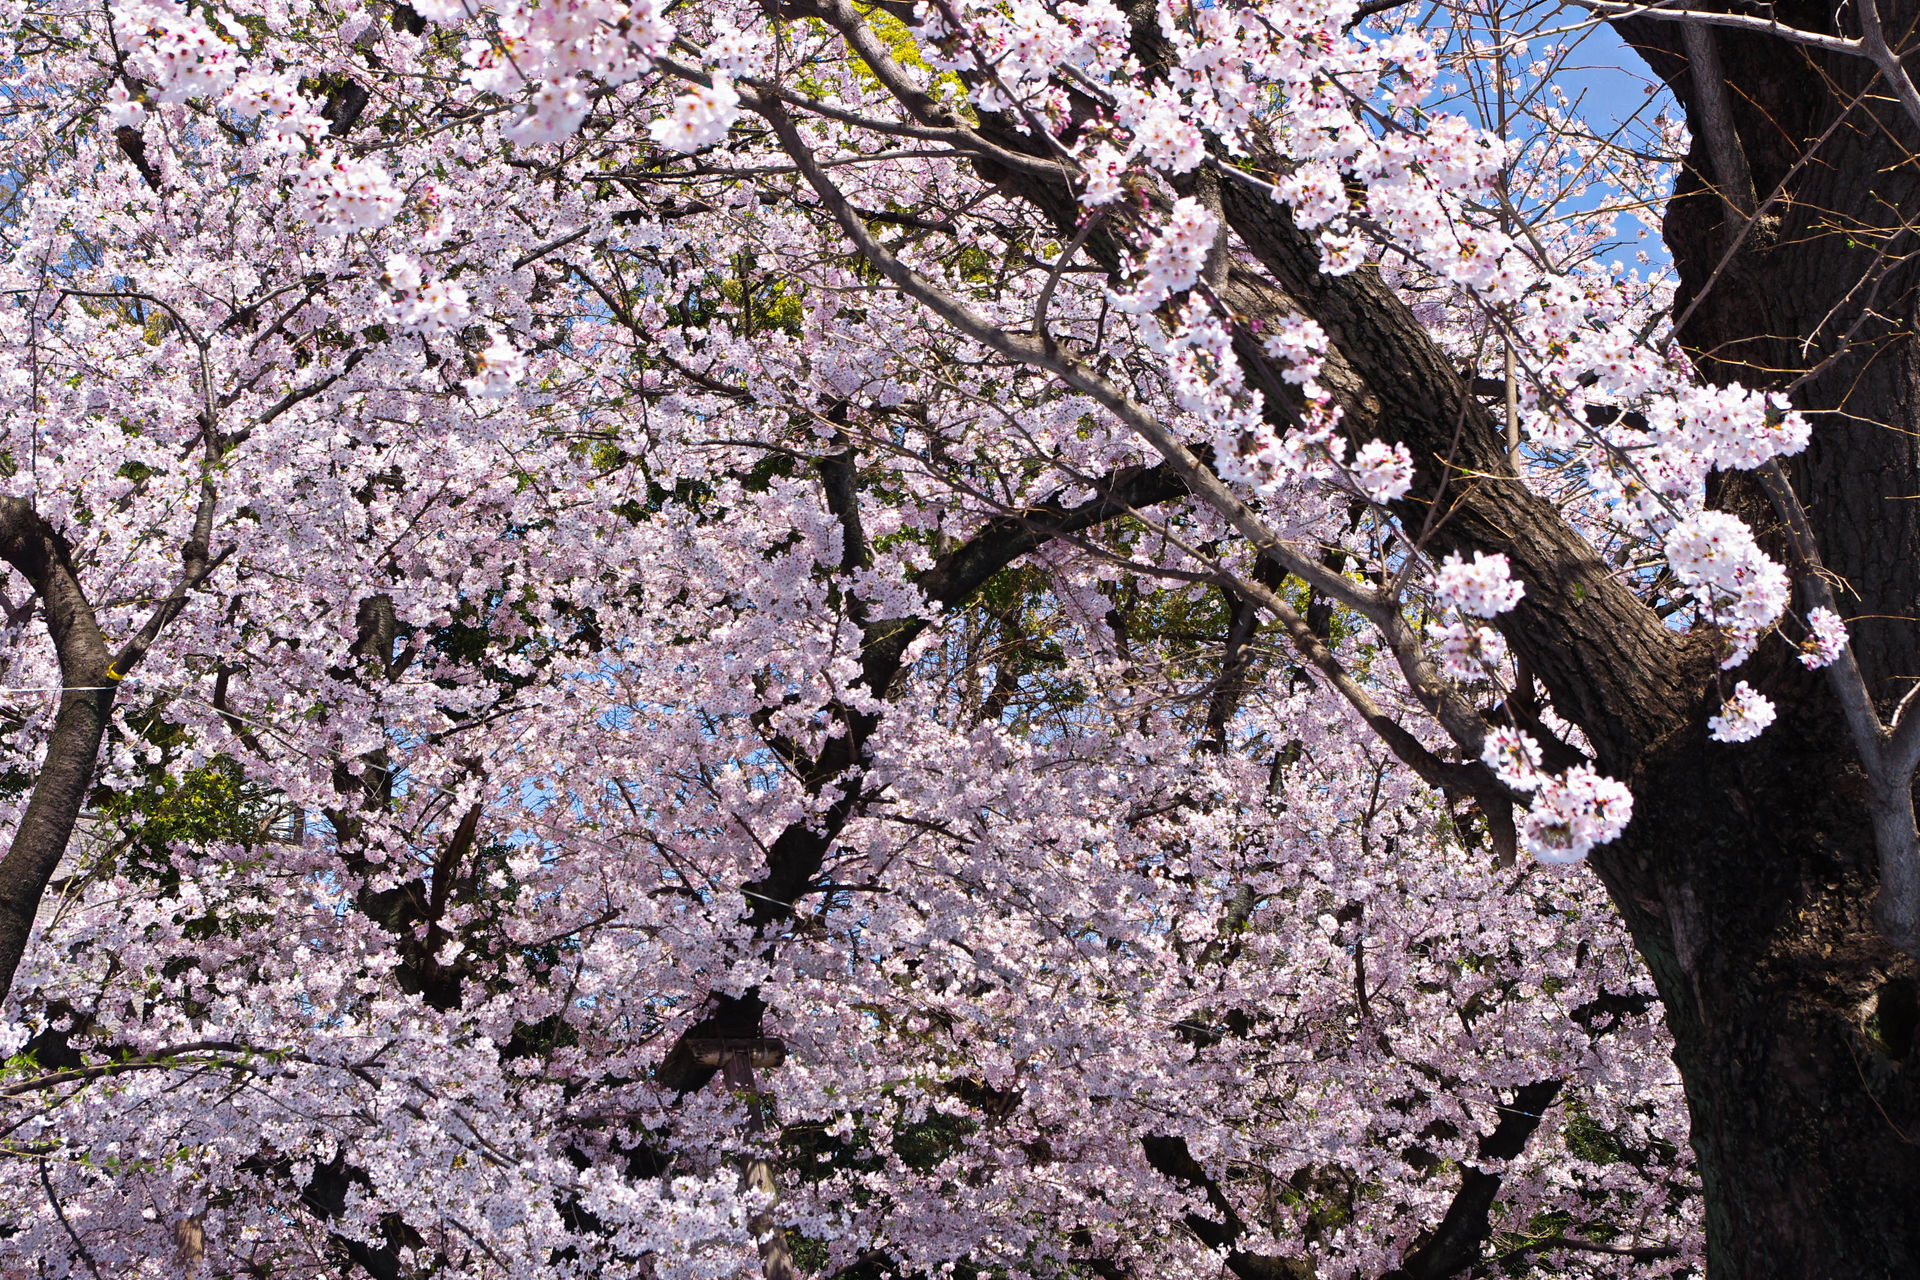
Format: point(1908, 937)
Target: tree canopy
point(971, 638)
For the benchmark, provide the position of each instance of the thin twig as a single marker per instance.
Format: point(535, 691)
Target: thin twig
point(61, 1214)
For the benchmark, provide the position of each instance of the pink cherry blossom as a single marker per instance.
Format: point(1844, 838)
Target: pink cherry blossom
point(1483, 587)
point(1827, 637)
point(1743, 717)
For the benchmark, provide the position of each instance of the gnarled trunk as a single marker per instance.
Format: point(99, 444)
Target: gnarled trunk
point(1748, 877)
point(1749, 872)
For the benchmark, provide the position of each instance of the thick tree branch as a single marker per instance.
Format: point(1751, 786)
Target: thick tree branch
point(1608, 661)
point(1457, 1242)
point(1732, 176)
point(1606, 658)
point(41, 556)
point(1172, 1159)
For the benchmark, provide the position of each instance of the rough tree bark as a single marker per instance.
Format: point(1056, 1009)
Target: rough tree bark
point(1748, 874)
point(60, 789)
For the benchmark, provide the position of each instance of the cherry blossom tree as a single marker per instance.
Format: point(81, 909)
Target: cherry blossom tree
point(954, 639)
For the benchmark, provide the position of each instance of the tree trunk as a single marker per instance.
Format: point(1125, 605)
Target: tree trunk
point(1749, 871)
point(1747, 877)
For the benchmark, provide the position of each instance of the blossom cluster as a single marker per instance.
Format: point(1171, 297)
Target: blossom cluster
point(425, 306)
point(1468, 651)
point(498, 369)
point(1827, 636)
point(1383, 472)
point(555, 53)
point(700, 117)
point(1174, 260)
point(342, 195)
point(1483, 587)
point(1571, 812)
point(1743, 717)
point(175, 49)
point(1729, 426)
point(1715, 556)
